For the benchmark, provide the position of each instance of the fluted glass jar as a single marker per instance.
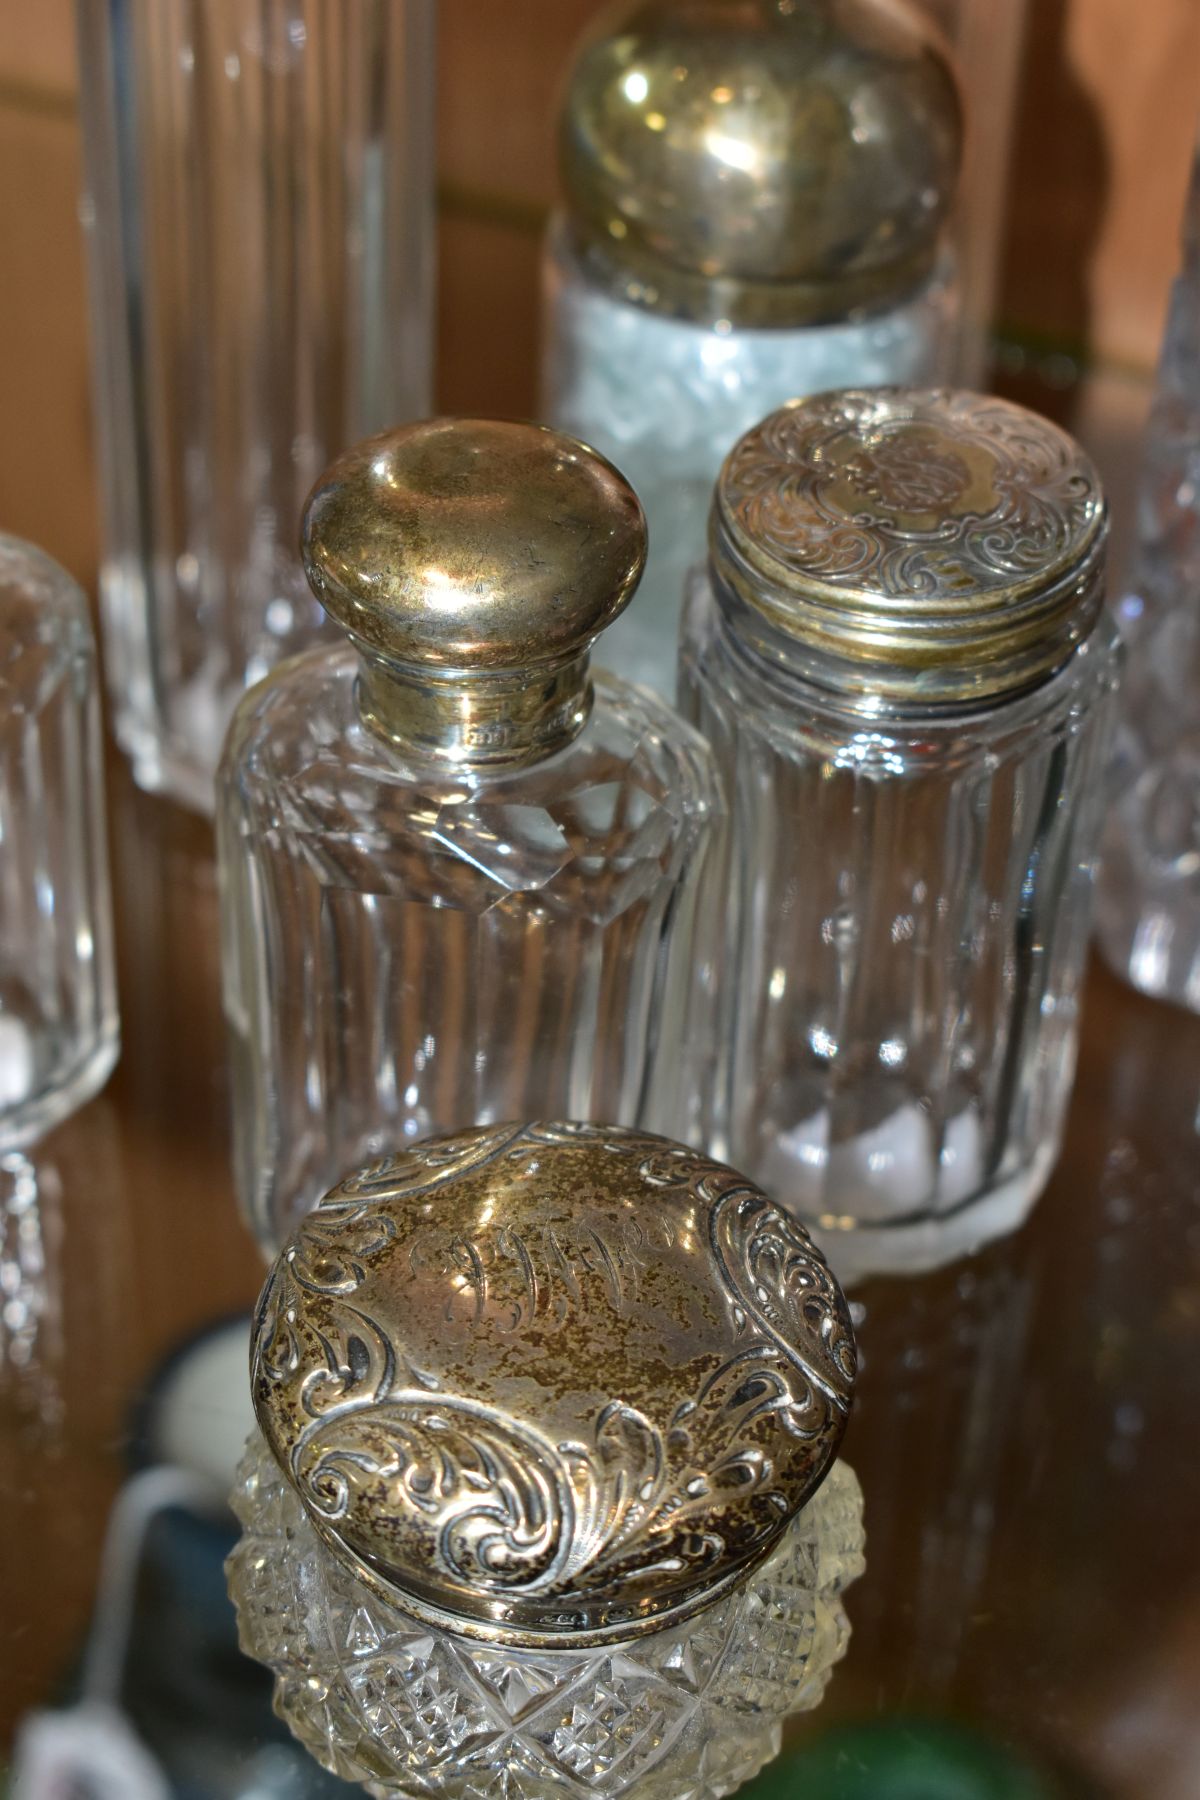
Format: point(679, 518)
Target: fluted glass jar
point(58, 1005)
point(258, 211)
point(756, 206)
point(900, 656)
point(461, 879)
point(544, 1475)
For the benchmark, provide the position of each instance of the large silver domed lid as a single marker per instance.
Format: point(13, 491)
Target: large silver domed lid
point(552, 1382)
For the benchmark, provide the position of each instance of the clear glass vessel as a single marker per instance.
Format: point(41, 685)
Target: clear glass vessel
point(461, 881)
point(258, 212)
point(570, 1503)
point(59, 1034)
point(734, 235)
point(1148, 912)
point(900, 657)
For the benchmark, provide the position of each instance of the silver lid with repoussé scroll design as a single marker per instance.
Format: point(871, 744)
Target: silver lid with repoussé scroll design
point(931, 544)
point(551, 1382)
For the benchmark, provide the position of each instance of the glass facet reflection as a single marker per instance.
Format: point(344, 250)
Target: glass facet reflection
point(59, 1032)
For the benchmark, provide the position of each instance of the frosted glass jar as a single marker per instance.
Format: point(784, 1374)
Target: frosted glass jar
point(734, 236)
point(665, 397)
point(59, 1032)
point(899, 656)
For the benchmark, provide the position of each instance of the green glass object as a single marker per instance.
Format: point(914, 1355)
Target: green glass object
point(903, 1759)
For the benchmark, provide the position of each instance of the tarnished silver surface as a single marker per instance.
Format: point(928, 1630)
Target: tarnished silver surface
point(473, 562)
point(943, 544)
point(762, 162)
point(551, 1382)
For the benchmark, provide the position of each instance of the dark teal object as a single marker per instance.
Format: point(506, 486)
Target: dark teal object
point(901, 1760)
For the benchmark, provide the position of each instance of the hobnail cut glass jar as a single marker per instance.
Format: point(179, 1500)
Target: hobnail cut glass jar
point(418, 938)
point(258, 213)
point(914, 821)
point(688, 1713)
point(59, 1031)
point(732, 237)
point(544, 1491)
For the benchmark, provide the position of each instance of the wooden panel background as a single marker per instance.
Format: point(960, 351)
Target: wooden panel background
point(1108, 109)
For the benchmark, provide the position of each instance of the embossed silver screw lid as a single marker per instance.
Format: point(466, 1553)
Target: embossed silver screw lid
point(924, 543)
point(551, 1382)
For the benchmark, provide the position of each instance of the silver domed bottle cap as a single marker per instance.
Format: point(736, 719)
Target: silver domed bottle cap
point(768, 162)
point(473, 562)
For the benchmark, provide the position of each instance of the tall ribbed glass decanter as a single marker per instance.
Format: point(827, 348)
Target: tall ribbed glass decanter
point(259, 219)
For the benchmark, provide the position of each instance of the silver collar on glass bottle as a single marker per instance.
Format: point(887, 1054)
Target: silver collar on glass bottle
point(473, 562)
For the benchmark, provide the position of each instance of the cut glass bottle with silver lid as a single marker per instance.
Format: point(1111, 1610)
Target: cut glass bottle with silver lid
point(59, 1030)
point(545, 1480)
point(259, 220)
point(461, 878)
point(900, 655)
point(756, 206)
point(1148, 911)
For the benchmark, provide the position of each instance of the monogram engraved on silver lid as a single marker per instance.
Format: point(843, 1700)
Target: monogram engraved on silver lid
point(551, 1382)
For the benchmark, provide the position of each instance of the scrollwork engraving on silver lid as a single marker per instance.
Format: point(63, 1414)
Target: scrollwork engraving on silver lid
point(912, 496)
point(426, 1165)
point(401, 1374)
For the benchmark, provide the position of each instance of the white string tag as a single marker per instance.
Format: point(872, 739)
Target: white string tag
point(86, 1753)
